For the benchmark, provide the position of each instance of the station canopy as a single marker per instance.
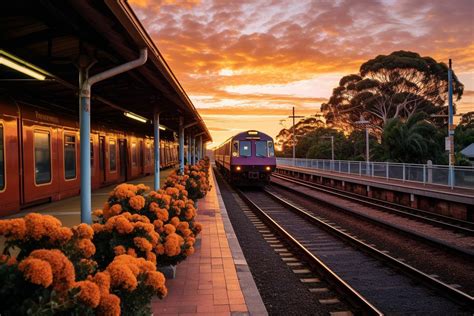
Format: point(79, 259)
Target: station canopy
point(58, 36)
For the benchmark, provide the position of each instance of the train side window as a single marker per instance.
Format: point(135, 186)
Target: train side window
point(245, 149)
point(42, 146)
point(113, 155)
point(134, 154)
point(2, 160)
point(92, 153)
point(235, 148)
point(69, 157)
point(271, 149)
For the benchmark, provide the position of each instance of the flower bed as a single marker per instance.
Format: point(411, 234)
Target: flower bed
point(110, 267)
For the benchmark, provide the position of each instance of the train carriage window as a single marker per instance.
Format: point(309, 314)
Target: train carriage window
point(42, 146)
point(69, 157)
point(245, 149)
point(271, 149)
point(113, 155)
point(92, 153)
point(261, 148)
point(134, 154)
point(2, 160)
point(235, 148)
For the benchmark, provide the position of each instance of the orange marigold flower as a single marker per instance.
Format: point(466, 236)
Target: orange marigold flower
point(98, 227)
point(186, 232)
point(143, 187)
point(172, 245)
point(137, 202)
point(189, 251)
point(154, 207)
point(83, 231)
point(162, 214)
point(143, 244)
point(102, 279)
point(160, 249)
point(123, 272)
point(158, 223)
point(119, 250)
point(198, 227)
point(13, 228)
point(109, 305)
point(87, 247)
point(175, 221)
point(150, 256)
point(37, 271)
point(98, 213)
point(63, 269)
point(169, 229)
point(131, 252)
point(182, 226)
point(89, 293)
point(116, 209)
point(155, 280)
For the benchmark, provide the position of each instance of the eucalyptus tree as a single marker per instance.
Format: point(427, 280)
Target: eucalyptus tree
point(388, 87)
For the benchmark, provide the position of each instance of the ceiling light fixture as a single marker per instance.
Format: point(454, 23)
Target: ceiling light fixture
point(135, 117)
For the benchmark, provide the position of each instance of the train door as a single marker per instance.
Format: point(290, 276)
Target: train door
point(123, 159)
point(102, 159)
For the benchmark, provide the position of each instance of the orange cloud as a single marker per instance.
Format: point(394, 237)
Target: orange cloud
point(216, 47)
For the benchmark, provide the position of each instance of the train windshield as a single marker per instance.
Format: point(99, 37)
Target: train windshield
point(261, 149)
point(245, 149)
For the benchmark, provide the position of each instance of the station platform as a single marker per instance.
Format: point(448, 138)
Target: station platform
point(216, 279)
point(413, 187)
point(457, 202)
point(68, 210)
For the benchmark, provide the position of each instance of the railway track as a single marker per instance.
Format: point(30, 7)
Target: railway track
point(452, 237)
point(369, 279)
point(438, 220)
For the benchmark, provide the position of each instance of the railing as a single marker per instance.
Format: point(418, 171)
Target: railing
point(463, 177)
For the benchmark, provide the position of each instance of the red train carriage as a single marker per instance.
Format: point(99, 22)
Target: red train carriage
point(39, 156)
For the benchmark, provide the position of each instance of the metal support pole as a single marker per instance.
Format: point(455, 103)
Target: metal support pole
point(85, 85)
point(156, 141)
point(189, 150)
point(199, 147)
point(181, 145)
point(294, 135)
point(85, 135)
point(193, 150)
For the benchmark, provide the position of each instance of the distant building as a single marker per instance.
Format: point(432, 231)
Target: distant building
point(469, 152)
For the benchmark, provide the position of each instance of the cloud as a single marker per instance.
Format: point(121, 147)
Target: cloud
point(268, 55)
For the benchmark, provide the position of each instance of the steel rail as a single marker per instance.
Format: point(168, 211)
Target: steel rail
point(353, 296)
point(397, 228)
point(441, 287)
point(458, 225)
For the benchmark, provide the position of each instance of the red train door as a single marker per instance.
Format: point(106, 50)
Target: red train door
point(102, 158)
point(123, 159)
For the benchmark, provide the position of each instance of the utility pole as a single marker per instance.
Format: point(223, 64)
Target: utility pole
point(294, 133)
point(364, 123)
point(450, 125)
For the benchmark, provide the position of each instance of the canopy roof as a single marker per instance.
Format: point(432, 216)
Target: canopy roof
point(57, 36)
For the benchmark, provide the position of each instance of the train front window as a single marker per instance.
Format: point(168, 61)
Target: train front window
point(261, 148)
point(69, 157)
point(42, 157)
point(245, 149)
point(235, 148)
point(2, 160)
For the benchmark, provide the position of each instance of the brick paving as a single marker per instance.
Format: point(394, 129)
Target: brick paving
point(215, 280)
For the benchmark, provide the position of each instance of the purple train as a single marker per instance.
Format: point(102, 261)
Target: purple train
point(248, 158)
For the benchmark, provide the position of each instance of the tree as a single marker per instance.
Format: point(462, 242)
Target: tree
point(388, 87)
point(284, 139)
point(415, 140)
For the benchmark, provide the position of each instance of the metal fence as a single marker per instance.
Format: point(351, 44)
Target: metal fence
point(463, 177)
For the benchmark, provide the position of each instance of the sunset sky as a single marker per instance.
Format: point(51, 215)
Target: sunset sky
point(244, 64)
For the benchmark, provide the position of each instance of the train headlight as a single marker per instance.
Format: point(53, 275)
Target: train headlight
point(268, 168)
point(238, 168)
